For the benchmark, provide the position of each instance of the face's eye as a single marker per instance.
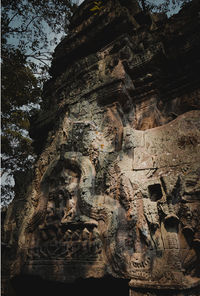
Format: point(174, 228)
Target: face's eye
point(51, 196)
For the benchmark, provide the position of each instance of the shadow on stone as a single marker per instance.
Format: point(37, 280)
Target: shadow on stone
point(36, 286)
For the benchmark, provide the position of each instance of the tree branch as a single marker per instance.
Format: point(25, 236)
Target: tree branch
point(12, 17)
point(42, 60)
point(143, 5)
point(15, 30)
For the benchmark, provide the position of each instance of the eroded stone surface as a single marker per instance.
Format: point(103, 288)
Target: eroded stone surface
point(117, 181)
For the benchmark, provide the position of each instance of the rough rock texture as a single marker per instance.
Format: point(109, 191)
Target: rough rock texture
point(117, 181)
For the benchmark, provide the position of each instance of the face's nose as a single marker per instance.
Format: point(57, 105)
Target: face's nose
point(70, 211)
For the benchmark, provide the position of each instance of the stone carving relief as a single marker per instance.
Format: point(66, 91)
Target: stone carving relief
point(65, 232)
point(117, 187)
point(157, 204)
point(121, 208)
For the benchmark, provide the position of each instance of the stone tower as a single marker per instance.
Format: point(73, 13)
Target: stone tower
point(116, 185)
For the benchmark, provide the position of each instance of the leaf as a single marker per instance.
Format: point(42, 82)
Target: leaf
point(95, 8)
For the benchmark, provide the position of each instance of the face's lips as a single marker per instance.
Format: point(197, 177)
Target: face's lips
point(84, 233)
point(78, 240)
point(79, 223)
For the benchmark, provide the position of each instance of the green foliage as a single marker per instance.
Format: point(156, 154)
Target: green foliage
point(29, 24)
point(26, 55)
point(98, 5)
point(20, 89)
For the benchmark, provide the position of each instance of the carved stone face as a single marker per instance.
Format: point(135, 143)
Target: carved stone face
point(117, 180)
point(64, 192)
point(141, 217)
point(69, 230)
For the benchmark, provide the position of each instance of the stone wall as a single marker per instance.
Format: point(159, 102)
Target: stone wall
point(116, 186)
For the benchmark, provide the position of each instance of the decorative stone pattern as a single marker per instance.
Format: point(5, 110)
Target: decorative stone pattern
point(116, 186)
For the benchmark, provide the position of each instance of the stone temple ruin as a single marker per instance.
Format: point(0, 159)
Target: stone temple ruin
point(115, 196)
